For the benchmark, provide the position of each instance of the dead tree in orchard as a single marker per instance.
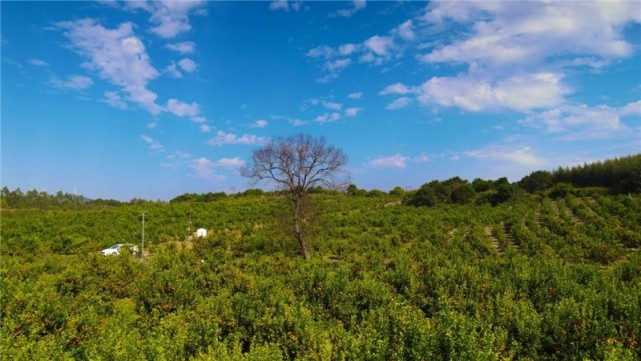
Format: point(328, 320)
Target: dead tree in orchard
point(296, 164)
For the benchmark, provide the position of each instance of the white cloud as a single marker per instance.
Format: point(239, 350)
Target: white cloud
point(393, 161)
point(327, 78)
point(171, 17)
point(376, 50)
point(356, 95)
point(332, 105)
point(184, 47)
point(405, 31)
point(337, 65)
point(73, 82)
point(298, 122)
point(113, 98)
point(352, 112)
point(176, 159)
point(205, 128)
point(396, 88)
point(153, 144)
point(527, 33)
point(260, 123)
point(179, 155)
point(522, 156)
point(421, 158)
point(357, 5)
point(583, 121)
point(325, 102)
point(520, 92)
point(633, 108)
point(333, 68)
point(508, 160)
point(518, 53)
point(380, 49)
point(293, 121)
point(333, 108)
point(399, 103)
point(172, 69)
point(347, 49)
point(206, 168)
point(279, 5)
point(182, 109)
point(223, 138)
point(187, 65)
point(230, 162)
point(198, 119)
point(322, 118)
point(285, 5)
point(117, 55)
point(327, 117)
point(37, 62)
point(397, 161)
point(380, 45)
point(502, 41)
point(321, 51)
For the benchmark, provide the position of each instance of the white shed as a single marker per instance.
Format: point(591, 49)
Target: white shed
point(201, 232)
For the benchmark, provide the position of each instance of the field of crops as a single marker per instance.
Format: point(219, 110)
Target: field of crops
point(539, 278)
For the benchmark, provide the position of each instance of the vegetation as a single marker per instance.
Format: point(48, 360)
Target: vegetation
point(554, 275)
point(193, 197)
point(621, 175)
point(387, 281)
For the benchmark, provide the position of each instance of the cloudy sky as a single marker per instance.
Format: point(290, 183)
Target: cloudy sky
point(147, 99)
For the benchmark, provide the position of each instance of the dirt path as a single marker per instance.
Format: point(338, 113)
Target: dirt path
point(493, 240)
point(575, 219)
point(555, 209)
point(509, 238)
point(587, 203)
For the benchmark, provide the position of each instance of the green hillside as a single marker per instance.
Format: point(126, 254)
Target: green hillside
point(535, 278)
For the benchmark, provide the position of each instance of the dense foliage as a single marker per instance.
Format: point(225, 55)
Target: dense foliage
point(41, 200)
point(534, 278)
point(460, 191)
point(622, 175)
point(193, 197)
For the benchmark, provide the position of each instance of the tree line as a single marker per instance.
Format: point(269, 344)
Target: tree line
point(39, 199)
point(618, 175)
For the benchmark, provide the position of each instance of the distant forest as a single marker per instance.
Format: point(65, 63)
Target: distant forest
point(617, 176)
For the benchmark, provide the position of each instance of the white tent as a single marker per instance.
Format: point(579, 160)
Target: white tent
point(201, 232)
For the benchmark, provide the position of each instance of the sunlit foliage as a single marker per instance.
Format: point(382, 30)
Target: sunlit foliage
point(533, 278)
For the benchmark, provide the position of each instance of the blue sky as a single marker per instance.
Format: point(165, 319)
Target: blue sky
point(155, 99)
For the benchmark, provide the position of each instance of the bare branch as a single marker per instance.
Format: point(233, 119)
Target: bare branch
point(296, 164)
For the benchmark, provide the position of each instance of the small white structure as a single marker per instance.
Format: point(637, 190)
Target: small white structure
point(201, 232)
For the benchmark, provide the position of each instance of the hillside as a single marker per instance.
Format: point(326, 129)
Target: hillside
point(534, 278)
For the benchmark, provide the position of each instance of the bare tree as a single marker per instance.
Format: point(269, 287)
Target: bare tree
point(296, 164)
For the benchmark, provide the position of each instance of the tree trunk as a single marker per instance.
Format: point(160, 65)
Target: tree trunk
point(297, 230)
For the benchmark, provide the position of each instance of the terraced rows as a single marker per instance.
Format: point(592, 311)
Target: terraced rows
point(577, 229)
point(493, 240)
